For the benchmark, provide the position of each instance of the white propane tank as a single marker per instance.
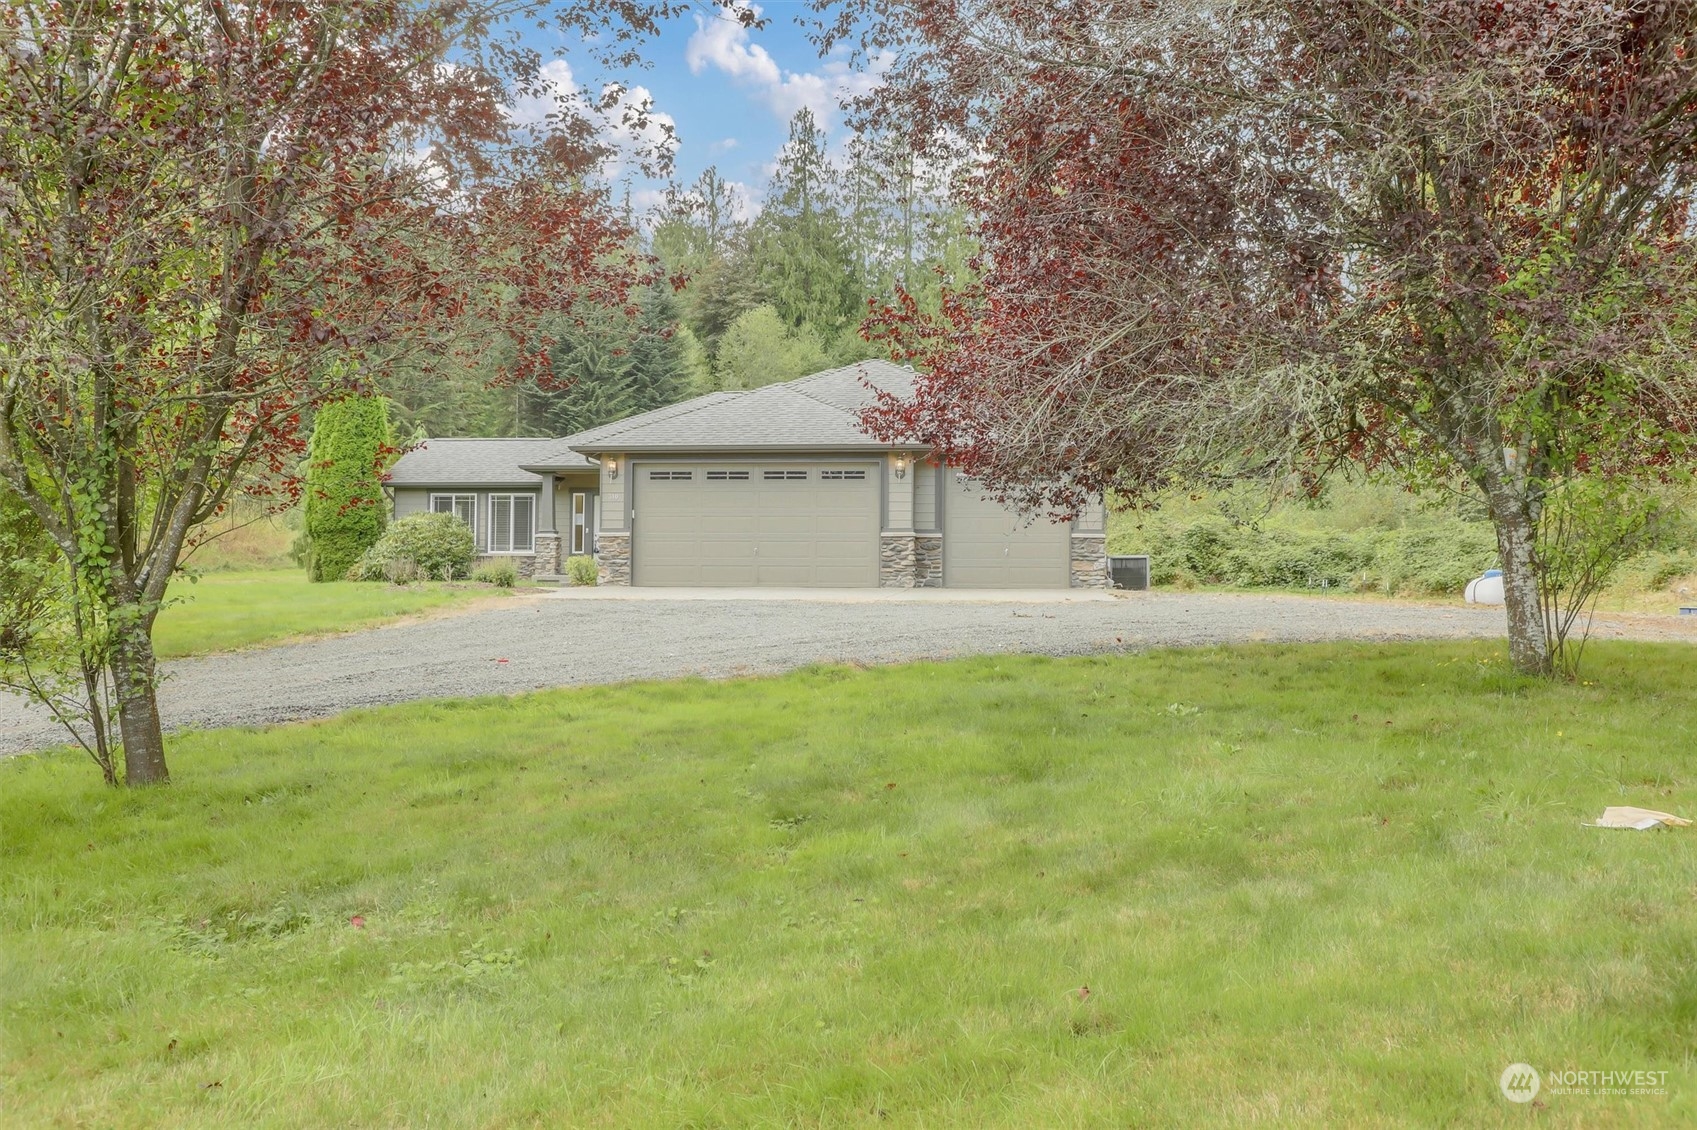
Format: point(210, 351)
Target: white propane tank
point(1487, 589)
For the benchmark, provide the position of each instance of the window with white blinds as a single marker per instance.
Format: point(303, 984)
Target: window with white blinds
point(512, 523)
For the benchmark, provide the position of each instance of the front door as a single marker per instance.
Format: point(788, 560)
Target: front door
point(581, 536)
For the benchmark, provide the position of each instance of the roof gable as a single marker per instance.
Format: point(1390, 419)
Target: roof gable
point(817, 411)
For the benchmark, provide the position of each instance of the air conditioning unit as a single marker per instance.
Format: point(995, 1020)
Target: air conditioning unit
point(1129, 572)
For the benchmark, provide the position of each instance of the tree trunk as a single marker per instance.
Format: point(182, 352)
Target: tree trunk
point(1528, 646)
point(138, 705)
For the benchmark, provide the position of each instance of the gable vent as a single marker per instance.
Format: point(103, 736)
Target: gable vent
point(727, 476)
point(671, 476)
point(783, 476)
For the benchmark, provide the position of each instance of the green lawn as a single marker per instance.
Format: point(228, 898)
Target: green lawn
point(222, 611)
point(1338, 885)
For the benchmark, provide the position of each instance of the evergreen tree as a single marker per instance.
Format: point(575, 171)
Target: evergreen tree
point(659, 369)
point(806, 265)
point(724, 290)
point(591, 384)
point(344, 500)
point(698, 366)
point(696, 225)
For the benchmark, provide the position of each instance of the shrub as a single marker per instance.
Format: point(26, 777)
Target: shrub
point(581, 570)
point(501, 574)
point(1202, 547)
point(344, 503)
point(419, 547)
point(1293, 559)
point(1438, 559)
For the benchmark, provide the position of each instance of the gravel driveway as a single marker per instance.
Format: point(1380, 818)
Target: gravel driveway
point(563, 640)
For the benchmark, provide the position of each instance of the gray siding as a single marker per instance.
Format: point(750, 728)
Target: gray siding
point(563, 512)
point(925, 497)
point(1093, 518)
point(410, 500)
point(613, 495)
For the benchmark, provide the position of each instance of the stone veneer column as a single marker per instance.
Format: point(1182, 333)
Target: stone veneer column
point(897, 561)
point(547, 554)
point(928, 562)
point(1089, 561)
point(612, 557)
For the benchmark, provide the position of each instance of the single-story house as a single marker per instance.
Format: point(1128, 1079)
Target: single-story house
point(777, 486)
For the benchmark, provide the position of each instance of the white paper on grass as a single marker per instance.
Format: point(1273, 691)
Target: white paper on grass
point(1638, 819)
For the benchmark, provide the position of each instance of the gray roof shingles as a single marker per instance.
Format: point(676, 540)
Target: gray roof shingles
point(473, 463)
point(817, 411)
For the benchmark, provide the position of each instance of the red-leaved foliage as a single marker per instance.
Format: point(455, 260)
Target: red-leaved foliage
point(215, 216)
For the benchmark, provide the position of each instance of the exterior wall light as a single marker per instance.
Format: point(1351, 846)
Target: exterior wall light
point(901, 465)
point(612, 468)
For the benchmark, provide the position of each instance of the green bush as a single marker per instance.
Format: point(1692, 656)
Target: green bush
point(1434, 560)
point(581, 570)
point(344, 501)
point(1436, 557)
point(435, 547)
point(1357, 537)
point(1656, 570)
point(501, 574)
point(1202, 548)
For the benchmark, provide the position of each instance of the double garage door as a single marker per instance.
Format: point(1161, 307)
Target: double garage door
point(801, 525)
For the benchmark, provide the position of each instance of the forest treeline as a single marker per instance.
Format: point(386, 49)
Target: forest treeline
point(762, 300)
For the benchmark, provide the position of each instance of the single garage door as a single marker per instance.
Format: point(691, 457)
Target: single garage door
point(789, 525)
point(987, 546)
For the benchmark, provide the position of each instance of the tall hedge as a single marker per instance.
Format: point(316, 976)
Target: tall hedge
point(344, 499)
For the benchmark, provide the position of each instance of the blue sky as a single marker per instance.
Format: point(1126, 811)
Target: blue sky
point(728, 91)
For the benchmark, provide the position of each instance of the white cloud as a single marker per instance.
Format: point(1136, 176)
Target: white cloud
point(559, 94)
point(640, 129)
point(625, 128)
point(745, 201)
point(722, 42)
point(723, 145)
point(725, 44)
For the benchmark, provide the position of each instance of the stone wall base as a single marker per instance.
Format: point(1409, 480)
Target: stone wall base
point(547, 555)
point(928, 561)
point(896, 561)
point(612, 558)
point(909, 561)
point(524, 564)
point(1089, 561)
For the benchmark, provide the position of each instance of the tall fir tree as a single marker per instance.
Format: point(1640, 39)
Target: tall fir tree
point(658, 362)
point(806, 265)
point(591, 384)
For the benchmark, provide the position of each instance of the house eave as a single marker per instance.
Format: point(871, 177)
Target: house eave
point(868, 448)
point(461, 485)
